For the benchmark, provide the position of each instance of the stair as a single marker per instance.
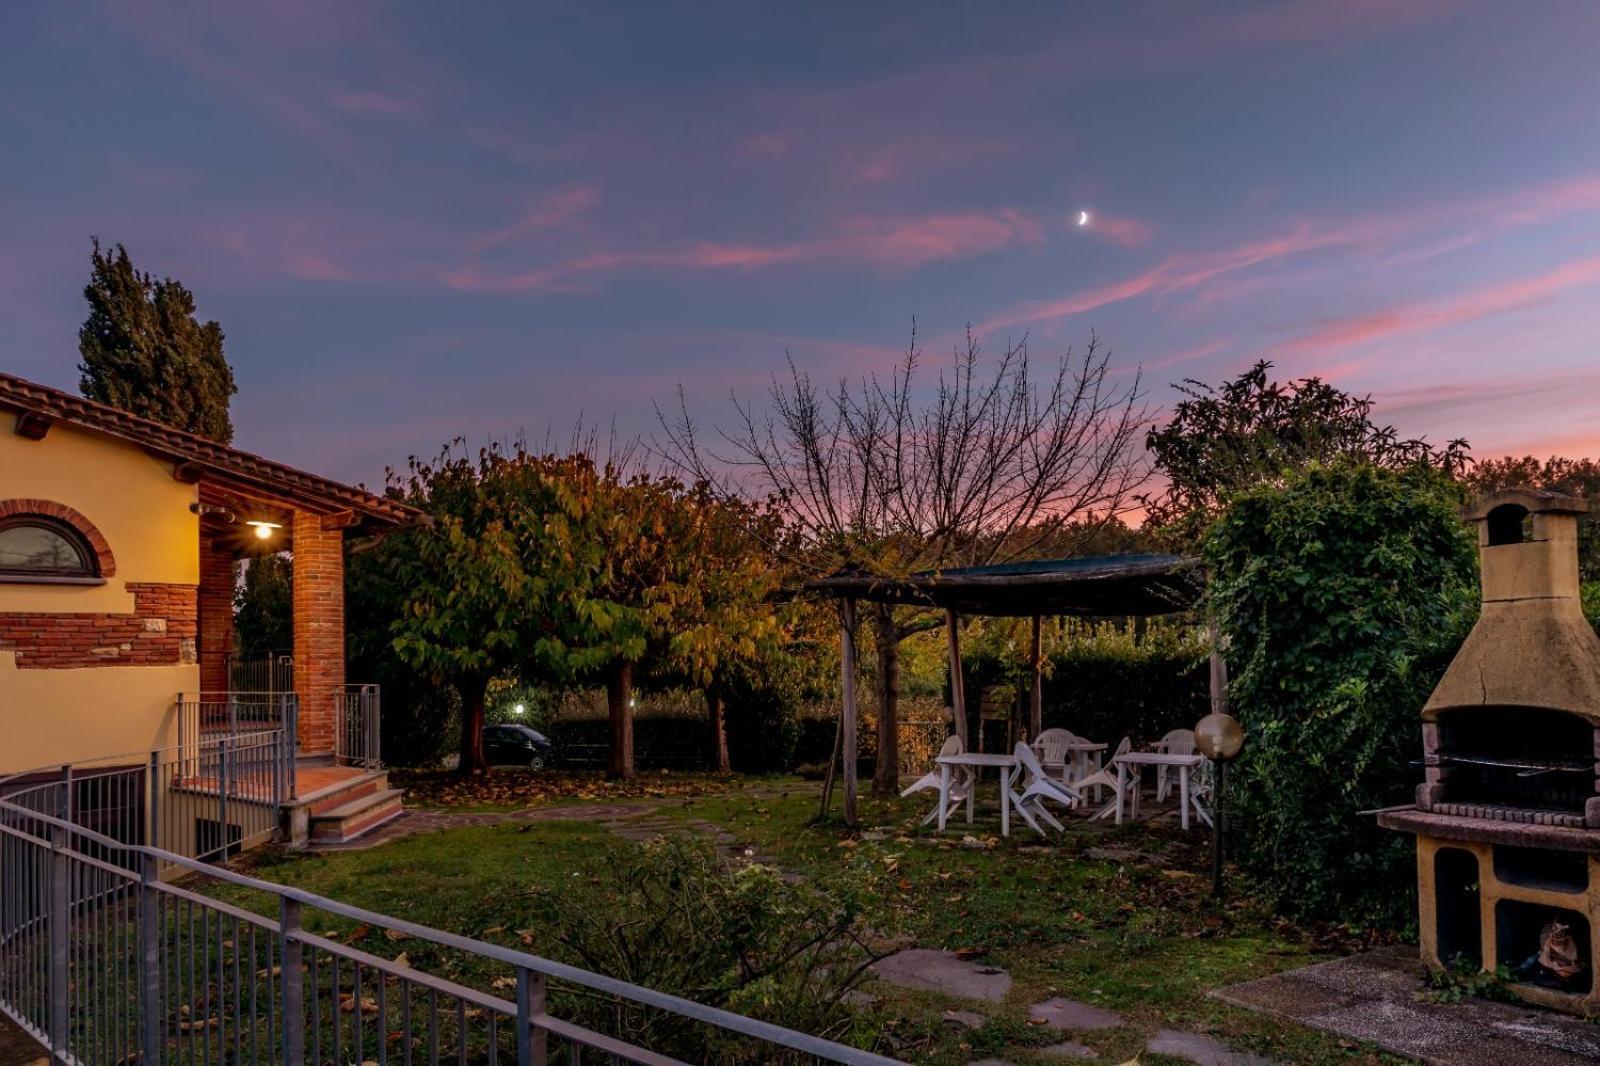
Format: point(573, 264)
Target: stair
point(351, 820)
point(339, 804)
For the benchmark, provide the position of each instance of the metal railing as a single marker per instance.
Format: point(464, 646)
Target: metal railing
point(114, 950)
point(204, 718)
point(272, 674)
point(356, 734)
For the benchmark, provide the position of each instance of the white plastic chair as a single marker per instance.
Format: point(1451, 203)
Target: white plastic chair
point(960, 780)
point(1054, 748)
point(1177, 742)
point(1039, 787)
point(1106, 777)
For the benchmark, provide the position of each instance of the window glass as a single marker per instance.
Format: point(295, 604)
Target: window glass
point(34, 547)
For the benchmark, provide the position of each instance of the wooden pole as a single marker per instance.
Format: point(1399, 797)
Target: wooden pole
point(958, 684)
point(847, 667)
point(1036, 700)
point(1219, 674)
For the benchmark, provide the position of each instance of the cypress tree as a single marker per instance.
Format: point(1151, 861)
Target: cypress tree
point(143, 350)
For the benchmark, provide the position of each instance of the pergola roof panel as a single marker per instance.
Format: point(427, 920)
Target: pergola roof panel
point(1102, 585)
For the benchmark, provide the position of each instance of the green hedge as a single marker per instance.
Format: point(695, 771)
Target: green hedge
point(1106, 683)
point(1345, 592)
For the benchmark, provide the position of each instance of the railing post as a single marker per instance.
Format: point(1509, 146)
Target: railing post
point(60, 933)
point(150, 1033)
point(532, 1040)
point(64, 808)
point(294, 1033)
point(291, 740)
point(375, 719)
point(222, 797)
point(153, 831)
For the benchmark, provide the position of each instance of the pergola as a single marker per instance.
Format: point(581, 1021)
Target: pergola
point(1096, 586)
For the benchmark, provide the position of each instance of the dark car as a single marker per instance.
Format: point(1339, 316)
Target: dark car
point(516, 745)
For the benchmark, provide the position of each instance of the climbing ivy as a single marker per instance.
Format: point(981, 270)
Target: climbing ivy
point(1344, 592)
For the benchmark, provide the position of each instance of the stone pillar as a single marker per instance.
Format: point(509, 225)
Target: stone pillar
point(318, 628)
point(215, 610)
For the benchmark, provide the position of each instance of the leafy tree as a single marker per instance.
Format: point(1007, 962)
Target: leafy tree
point(993, 463)
point(144, 351)
point(471, 602)
point(1251, 431)
point(264, 607)
point(1572, 477)
point(1344, 591)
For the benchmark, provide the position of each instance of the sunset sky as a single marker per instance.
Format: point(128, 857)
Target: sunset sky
point(423, 220)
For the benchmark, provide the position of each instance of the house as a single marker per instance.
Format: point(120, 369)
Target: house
point(120, 545)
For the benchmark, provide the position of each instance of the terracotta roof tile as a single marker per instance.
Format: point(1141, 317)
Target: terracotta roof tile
point(209, 457)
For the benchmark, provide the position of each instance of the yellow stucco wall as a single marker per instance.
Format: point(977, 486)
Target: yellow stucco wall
point(52, 716)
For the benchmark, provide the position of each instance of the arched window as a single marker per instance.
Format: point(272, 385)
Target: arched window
point(37, 546)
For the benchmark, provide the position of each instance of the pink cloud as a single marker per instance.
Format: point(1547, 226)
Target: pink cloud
point(315, 266)
point(763, 146)
point(1408, 319)
point(556, 209)
point(895, 244)
point(1173, 274)
point(1117, 229)
point(372, 102)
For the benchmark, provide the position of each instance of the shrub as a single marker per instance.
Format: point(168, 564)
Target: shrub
point(672, 915)
point(1344, 593)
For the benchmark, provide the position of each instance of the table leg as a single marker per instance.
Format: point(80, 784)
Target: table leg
point(944, 793)
point(1183, 797)
point(1122, 788)
point(972, 792)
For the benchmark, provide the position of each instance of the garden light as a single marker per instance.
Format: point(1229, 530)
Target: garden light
point(1219, 738)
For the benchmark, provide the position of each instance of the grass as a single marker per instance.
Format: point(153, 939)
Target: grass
point(1142, 937)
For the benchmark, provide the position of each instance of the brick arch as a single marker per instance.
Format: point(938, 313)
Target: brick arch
point(106, 563)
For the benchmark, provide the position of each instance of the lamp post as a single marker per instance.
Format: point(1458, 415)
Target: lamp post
point(1219, 738)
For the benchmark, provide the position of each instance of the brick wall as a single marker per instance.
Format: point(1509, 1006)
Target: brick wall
point(160, 632)
point(318, 628)
point(216, 616)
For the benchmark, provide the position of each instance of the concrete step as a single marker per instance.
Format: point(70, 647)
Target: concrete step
point(350, 820)
point(342, 792)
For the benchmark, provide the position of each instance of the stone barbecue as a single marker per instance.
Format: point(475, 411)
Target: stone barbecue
point(1507, 819)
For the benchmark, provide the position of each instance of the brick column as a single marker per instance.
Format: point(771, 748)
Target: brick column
point(215, 609)
point(318, 628)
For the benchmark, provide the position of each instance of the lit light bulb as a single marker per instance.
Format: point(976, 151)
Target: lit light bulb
point(519, 709)
point(263, 532)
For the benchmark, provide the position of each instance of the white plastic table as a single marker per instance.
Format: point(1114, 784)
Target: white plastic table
point(1006, 764)
point(1184, 763)
point(1081, 751)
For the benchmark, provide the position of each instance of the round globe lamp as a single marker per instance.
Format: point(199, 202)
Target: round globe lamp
point(1218, 737)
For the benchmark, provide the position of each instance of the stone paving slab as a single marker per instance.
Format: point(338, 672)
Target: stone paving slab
point(1374, 997)
point(929, 970)
point(1062, 1013)
point(1201, 1050)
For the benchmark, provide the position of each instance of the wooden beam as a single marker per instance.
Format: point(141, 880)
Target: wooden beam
point(340, 520)
point(1219, 673)
point(958, 681)
point(847, 669)
point(31, 425)
point(1036, 697)
point(188, 473)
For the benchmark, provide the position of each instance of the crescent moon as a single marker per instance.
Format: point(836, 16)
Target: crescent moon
point(1083, 218)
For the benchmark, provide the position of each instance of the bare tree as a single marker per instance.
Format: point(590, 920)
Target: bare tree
point(990, 464)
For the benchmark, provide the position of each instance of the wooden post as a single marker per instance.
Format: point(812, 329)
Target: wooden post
point(847, 667)
point(1036, 700)
point(958, 684)
point(1219, 674)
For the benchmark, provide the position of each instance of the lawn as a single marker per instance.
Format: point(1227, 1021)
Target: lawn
point(1135, 930)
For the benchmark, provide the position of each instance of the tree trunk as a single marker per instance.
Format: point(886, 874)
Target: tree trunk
point(473, 695)
point(718, 720)
point(619, 699)
point(886, 774)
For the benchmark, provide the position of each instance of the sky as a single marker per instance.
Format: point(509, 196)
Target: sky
point(422, 221)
